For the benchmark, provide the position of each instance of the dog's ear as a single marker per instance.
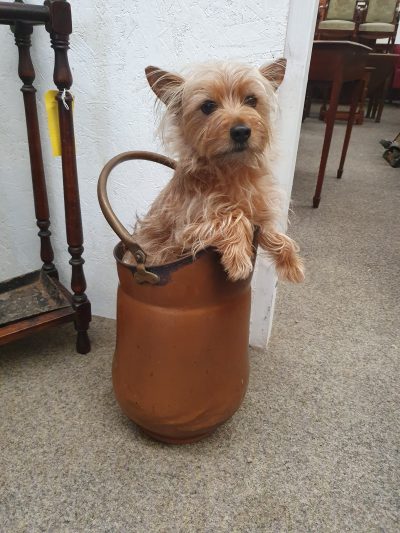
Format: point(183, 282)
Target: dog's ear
point(274, 72)
point(163, 83)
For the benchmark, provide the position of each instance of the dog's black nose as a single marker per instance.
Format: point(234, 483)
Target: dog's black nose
point(240, 133)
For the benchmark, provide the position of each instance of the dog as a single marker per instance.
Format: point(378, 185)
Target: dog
point(218, 123)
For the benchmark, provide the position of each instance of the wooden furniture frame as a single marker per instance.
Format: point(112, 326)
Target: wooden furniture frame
point(345, 100)
point(334, 63)
point(75, 306)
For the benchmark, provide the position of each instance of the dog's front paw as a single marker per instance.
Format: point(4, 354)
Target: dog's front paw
point(284, 252)
point(237, 266)
point(290, 268)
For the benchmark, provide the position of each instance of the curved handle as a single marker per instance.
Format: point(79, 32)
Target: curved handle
point(105, 205)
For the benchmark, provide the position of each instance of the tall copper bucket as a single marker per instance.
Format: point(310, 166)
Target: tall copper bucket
point(180, 366)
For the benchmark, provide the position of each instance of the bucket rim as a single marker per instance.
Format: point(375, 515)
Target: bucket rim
point(165, 267)
point(164, 271)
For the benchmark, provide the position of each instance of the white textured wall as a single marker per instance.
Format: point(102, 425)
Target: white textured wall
point(298, 47)
point(111, 44)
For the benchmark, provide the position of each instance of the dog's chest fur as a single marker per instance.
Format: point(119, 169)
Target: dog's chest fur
point(193, 209)
point(209, 197)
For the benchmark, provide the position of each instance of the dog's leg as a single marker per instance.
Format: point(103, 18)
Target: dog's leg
point(233, 238)
point(237, 254)
point(283, 250)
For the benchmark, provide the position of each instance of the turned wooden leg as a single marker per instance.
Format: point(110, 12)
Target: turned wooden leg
point(358, 87)
point(60, 27)
point(26, 72)
point(330, 122)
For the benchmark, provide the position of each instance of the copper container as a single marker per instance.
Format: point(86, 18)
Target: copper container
point(180, 366)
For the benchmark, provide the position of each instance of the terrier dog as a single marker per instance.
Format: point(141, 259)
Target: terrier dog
point(218, 121)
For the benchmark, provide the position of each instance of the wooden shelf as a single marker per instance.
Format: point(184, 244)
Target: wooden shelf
point(31, 302)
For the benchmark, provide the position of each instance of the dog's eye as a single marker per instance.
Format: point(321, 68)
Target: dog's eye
point(208, 107)
point(250, 101)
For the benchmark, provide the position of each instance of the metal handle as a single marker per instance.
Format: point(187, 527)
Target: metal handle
point(111, 217)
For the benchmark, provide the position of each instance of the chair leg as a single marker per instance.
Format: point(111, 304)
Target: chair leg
point(330, 122)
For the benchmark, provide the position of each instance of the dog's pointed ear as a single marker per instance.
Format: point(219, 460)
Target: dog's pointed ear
point(274, 72)
point(163, 83)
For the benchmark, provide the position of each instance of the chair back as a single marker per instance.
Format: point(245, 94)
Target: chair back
point(341, 10)
point(381, 11)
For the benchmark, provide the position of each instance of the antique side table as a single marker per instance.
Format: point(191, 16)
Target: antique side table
point(334, 63)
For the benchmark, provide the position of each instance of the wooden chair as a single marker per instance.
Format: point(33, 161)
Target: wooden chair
point(338, 20)
point(380, 21)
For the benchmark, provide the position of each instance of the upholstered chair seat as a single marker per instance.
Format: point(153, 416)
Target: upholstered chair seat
point(339, 18)
point(377, 27)
point(336, 25)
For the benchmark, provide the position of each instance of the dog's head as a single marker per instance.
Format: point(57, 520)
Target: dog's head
point(219, 112)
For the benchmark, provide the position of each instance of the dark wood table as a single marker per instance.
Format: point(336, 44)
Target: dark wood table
point(379, 82)
point(334, 63)
point(37, 299)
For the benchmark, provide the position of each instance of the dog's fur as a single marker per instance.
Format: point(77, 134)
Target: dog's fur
point(221, 190)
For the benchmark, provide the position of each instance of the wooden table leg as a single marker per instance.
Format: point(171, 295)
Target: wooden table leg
point(381, 99)
point(307, 103)
point(60, 27)
point(358, 87)
point(369, 108)
point(375, 107)
point(26, 72)
point(330, 122)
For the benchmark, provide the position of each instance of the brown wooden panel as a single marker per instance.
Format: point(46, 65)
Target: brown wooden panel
point(26, 327)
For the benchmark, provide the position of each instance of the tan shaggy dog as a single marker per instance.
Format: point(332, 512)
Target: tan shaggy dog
point(218, 123)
